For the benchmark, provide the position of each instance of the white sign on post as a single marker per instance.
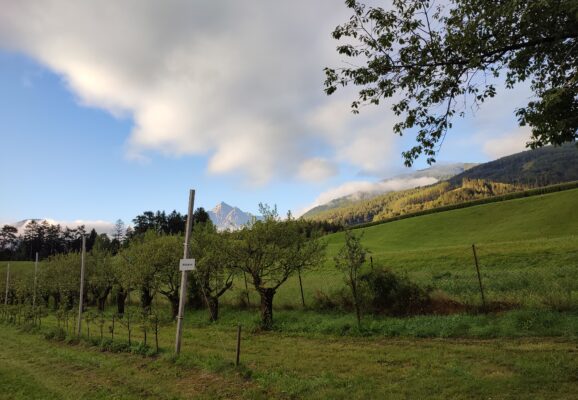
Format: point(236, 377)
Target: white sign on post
point(187, 264)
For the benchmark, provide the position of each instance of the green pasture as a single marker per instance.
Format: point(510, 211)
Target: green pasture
point(528, 255)
point(285, 366)
point(527, 249)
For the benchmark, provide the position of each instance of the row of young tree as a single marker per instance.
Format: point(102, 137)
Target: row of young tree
point(267, 254)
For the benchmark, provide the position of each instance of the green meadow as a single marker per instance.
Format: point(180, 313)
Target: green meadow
point(528, 257)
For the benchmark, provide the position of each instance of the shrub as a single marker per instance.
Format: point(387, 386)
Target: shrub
point(391, 294)
point(321, 301)
point(242, 300)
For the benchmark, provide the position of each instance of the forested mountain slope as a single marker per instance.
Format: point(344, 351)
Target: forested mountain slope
point(529, 169)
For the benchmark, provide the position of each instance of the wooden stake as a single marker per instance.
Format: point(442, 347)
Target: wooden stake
point(81, 300)
point(35, 280)
point(301, 287)
point(7, 284)
point(183, 293)
point(479, 277)
point(238, 345)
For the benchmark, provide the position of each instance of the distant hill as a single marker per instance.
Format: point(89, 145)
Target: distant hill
point(410, 180)
point(534, 168)
point(545, 166)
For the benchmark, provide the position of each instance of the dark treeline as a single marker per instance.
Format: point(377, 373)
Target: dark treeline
point(44, 238)
point(49, 240)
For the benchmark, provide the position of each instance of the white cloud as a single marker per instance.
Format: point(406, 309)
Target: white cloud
point(316, 170)
point(99, 225)
point(509, 143)
point(365, 141)
point(354, 187)
point(229, 80)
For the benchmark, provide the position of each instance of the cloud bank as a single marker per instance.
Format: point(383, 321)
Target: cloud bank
point(228, 80)
point(366, 187)
point(98, 225)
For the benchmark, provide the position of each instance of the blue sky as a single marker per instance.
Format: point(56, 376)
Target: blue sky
point(97, 125)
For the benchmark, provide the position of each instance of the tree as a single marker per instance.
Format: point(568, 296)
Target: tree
point(8, 241)
point(150, 263)
point(270, 252)
point(435, 57)
point(214, 261)
point(349, 260)
point(59, 277)
point(118, 235)
point(201, 216)
point(100, 273)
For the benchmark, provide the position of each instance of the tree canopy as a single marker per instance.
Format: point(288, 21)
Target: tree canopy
point(437, 59)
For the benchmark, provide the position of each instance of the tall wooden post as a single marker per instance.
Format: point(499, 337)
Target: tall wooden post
point(183, 294)
point(35, 280)
point(301, 287)
point(479, 277)
point(238, 355)
point(81, 300)
point(7, 284)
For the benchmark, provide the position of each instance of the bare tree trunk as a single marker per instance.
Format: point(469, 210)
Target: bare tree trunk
point(121, 301)
point(213, 304)
point(174, 305)
point(146, 298)
point(356, 303)
point(102, 300)
point(266, 307)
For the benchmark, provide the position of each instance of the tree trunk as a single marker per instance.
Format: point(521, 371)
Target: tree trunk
point(56, 296)
point(174, 305)
point(266, 307)
point(120, 301)
point(102, 300)
point(101, 303)
point(213, 304)
point(146, 298)
point(356, 303)
point(69, 304)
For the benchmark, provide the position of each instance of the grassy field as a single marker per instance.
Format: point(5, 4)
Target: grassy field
point(288, 366)
point(528, 252)
point(527, 248)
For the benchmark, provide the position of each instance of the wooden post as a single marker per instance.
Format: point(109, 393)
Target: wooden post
point(183, 293)
point(35, 280)
point(238, 345)
point(81, 300)
point(7, 284)
point(371, 260)
point(301, 287)
point(479, 277)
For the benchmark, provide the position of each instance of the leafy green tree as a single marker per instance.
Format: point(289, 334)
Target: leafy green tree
point(8, 241)
point(60, 276)
point(438, 59)
point(214, 261)
point(349, 261)
point(150, 264)
point(100, 277)
point(270, 252)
